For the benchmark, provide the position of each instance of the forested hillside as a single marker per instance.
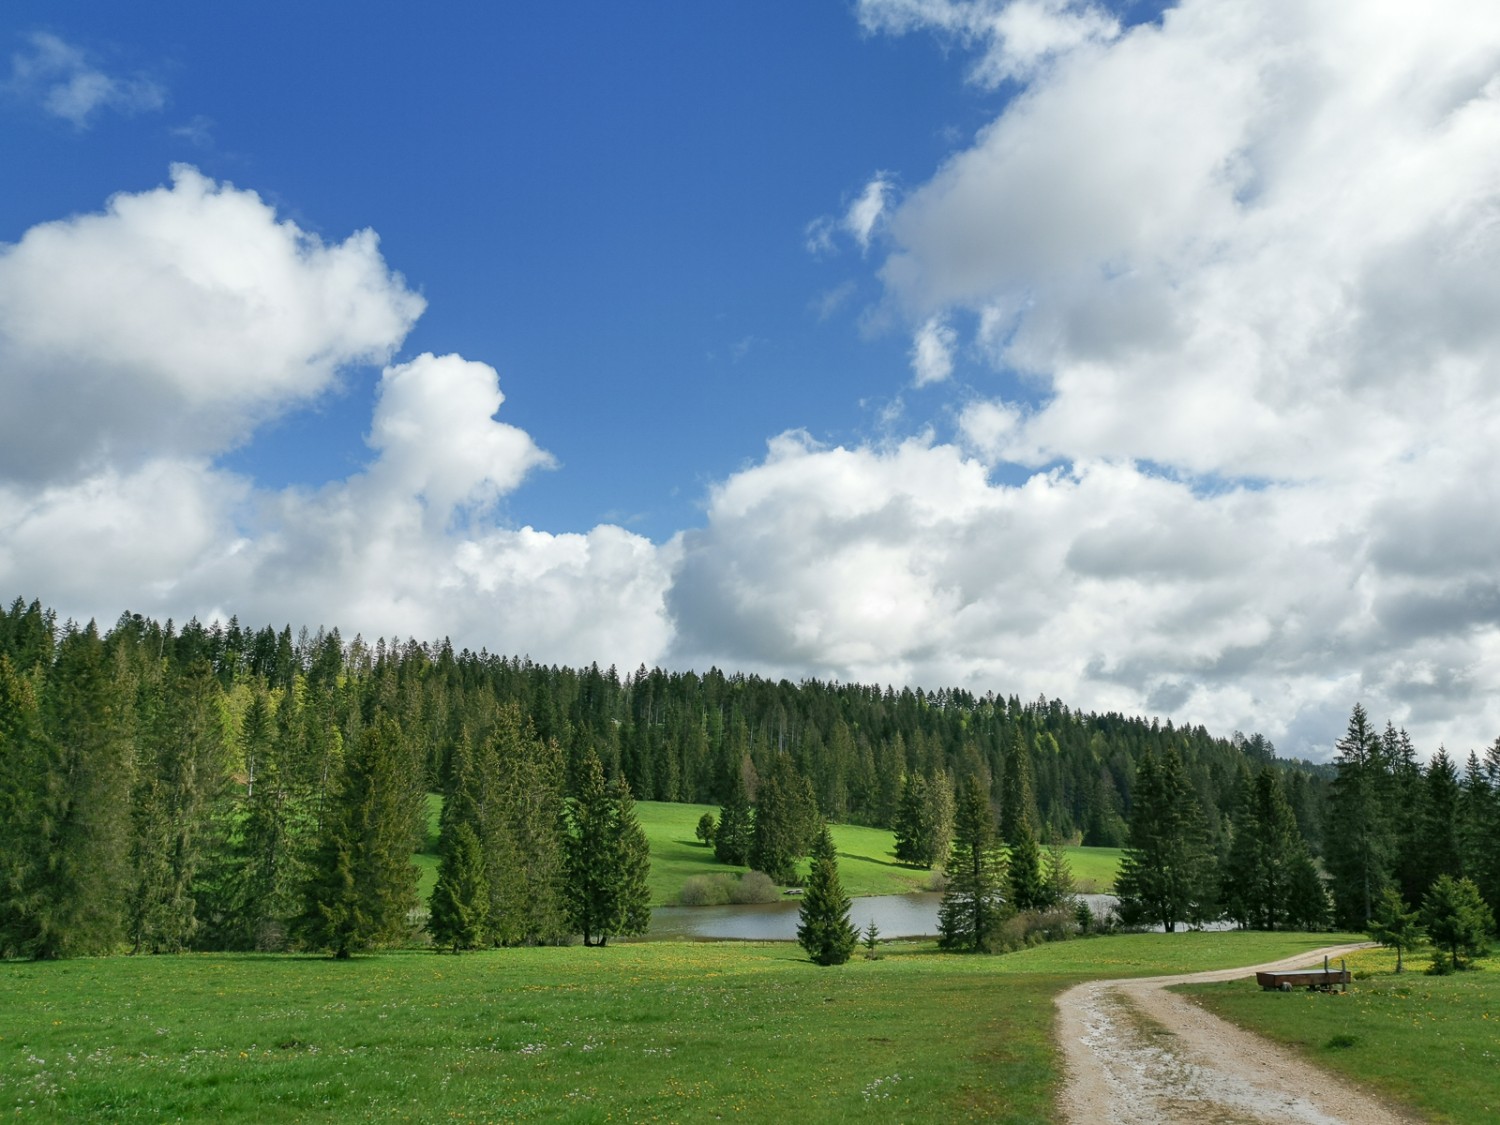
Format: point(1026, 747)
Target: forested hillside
point(169, 786)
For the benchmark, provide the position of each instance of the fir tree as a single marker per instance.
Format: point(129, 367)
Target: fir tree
point(785, 822)
point(1017, 801)
point(973, 905)
point(1058, 875)
point(912, 829)
point(1167, 870)
point(362, 886)
point(1394, 926)
point(823, 928)
point(733, 836)
point(607, 860)
point(1264, 853)
point(460, 904)
point(1357, 848)
point(1457, 920)
point(1028, 886)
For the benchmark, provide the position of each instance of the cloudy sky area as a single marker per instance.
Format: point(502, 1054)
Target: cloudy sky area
point(1144, 358)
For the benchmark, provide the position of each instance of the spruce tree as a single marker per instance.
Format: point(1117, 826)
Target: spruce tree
point(460, 904)
point(1394, 926)
point(71, 894)
point(362, 885)
point(823, 926)
point(1263, 855)
point(912, 829)
point(606, 860)
point(1167, 870)
point(733, 835)
point(1358, 843)
point(974, 904)
point(1028, 886)
point(1457, 920)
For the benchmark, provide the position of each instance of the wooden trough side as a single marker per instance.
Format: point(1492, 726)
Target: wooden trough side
point(1314, 980)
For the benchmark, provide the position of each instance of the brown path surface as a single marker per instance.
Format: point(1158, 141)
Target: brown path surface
point(1135, 1052)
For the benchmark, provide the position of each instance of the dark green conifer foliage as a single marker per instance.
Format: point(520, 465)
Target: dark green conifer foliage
point(1167, 871)
point(786, 820)
point(22, 762)
point(363, 886)
point(270, 857)
point(733, 836)
point(1357, 845)
point(181, 778)
point(460, 904)
point(72, 894)
point(1028, 885)
point(526, 876)
point(823, 926)
point(913, 828)
point(1440, 847)
point(1457, 921)
point(1017, 801)
point(1264, 854)
point(606, 860)
point(1484, 806)
point(974, 904)
point(1394, 926)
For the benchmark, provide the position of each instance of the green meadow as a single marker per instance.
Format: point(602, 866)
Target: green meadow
point(1429, 1041)
point(635, 1032)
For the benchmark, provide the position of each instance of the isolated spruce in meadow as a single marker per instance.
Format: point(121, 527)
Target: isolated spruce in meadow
point(824, 929)
point(1458, 921)
point(1394, 926)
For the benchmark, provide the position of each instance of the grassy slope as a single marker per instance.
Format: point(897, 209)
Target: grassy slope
point(867, 865)
point(1432, 1042)
point(634, 1032)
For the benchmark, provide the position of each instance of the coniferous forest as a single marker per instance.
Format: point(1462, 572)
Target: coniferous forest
point(166, 788)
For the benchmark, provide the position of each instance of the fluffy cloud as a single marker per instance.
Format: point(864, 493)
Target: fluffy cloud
point(66, 84)
point(176, 321)
point(1239, 269)
point(932, 351)
point(137, 344)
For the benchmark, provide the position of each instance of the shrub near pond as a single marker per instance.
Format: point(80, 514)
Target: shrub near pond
point(725, 889)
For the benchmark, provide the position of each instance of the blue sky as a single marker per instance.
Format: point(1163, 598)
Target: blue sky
point(1142, 357)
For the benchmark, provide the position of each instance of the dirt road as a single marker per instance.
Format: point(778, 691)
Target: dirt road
point(1138, 1053)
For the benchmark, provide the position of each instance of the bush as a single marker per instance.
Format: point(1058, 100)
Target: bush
point(753, 886)
point(706, 890)
point(1033, 927)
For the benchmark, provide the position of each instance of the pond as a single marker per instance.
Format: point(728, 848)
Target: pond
point(895, 916)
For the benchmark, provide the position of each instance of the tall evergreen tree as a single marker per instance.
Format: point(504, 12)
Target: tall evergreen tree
point(1357, 846)
point(1028, 884)
point(181, 777)
point(1017, 801)
point(1394, 926)
point(70, 895)
point(974, 904)
point(362, 887)
point(786, 818)
point(823, 926)
point(733, 836)
point(1167, 870)
point(1263, 855)
point(460, 905)
point(912, 828)
point(607, 860)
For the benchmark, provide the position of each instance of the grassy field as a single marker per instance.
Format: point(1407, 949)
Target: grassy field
point(867, 863)
point(1431, 1042)
point(650, 1032)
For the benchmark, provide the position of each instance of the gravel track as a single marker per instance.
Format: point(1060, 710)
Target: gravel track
point(1136, 1053)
